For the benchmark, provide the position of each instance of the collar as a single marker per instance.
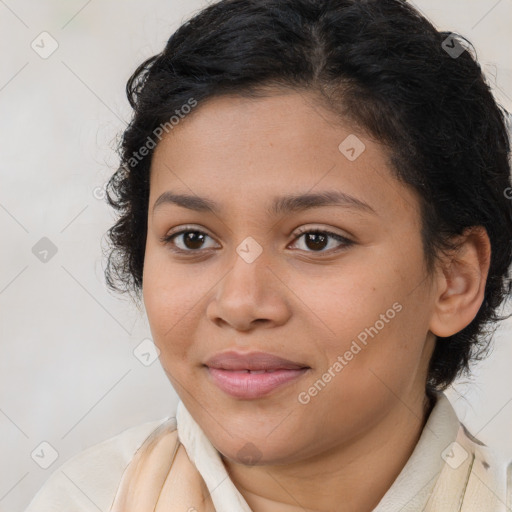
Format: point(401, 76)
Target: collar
point(409, 492)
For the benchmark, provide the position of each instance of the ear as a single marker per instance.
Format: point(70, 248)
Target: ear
point(461, 283)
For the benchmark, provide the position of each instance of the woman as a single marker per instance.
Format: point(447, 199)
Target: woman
point(313, 208)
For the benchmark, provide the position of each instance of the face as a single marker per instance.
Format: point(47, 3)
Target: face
point(350, 302)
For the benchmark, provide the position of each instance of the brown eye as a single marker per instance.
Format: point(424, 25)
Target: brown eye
point(193, 239)
point(316, 240)
point(186, 240)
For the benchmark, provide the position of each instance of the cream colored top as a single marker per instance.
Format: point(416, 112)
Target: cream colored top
point(88, 482)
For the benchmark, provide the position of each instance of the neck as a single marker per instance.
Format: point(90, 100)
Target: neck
point(338, 479)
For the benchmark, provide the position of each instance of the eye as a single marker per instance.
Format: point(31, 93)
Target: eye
point(318, 239)
point(191, 240)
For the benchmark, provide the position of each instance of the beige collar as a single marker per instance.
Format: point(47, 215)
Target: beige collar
point(178, 469)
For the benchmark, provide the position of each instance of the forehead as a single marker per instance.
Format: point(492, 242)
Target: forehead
point(247, 150)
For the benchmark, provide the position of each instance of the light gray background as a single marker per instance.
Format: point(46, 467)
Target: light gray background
point(67, 368)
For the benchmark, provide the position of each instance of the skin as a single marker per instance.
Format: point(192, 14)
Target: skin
point(298, 300)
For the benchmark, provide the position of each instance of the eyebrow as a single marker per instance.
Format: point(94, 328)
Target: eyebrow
point(280, 204)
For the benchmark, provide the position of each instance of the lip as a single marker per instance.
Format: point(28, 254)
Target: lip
point(229, 371)
point(232, 360)
point(247, 386)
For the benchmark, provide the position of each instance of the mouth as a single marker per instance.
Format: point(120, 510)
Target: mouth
point(252, 375)
point(252, 362)
point(252, 384)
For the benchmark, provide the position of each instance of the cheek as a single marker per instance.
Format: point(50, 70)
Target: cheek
point(346, 301)
point(372, 320)
point(169, 300)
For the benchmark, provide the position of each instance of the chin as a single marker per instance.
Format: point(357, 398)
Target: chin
point(257, 451)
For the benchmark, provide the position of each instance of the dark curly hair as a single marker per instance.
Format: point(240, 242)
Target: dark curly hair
point(379, 64)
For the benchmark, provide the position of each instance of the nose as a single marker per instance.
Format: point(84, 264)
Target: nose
point(251, 293)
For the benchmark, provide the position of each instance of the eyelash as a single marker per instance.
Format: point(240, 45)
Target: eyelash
point(167, 239)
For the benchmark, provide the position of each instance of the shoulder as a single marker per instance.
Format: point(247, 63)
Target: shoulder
point(88, 481)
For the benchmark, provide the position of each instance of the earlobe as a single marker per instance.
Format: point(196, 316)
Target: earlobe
point(462, 282)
